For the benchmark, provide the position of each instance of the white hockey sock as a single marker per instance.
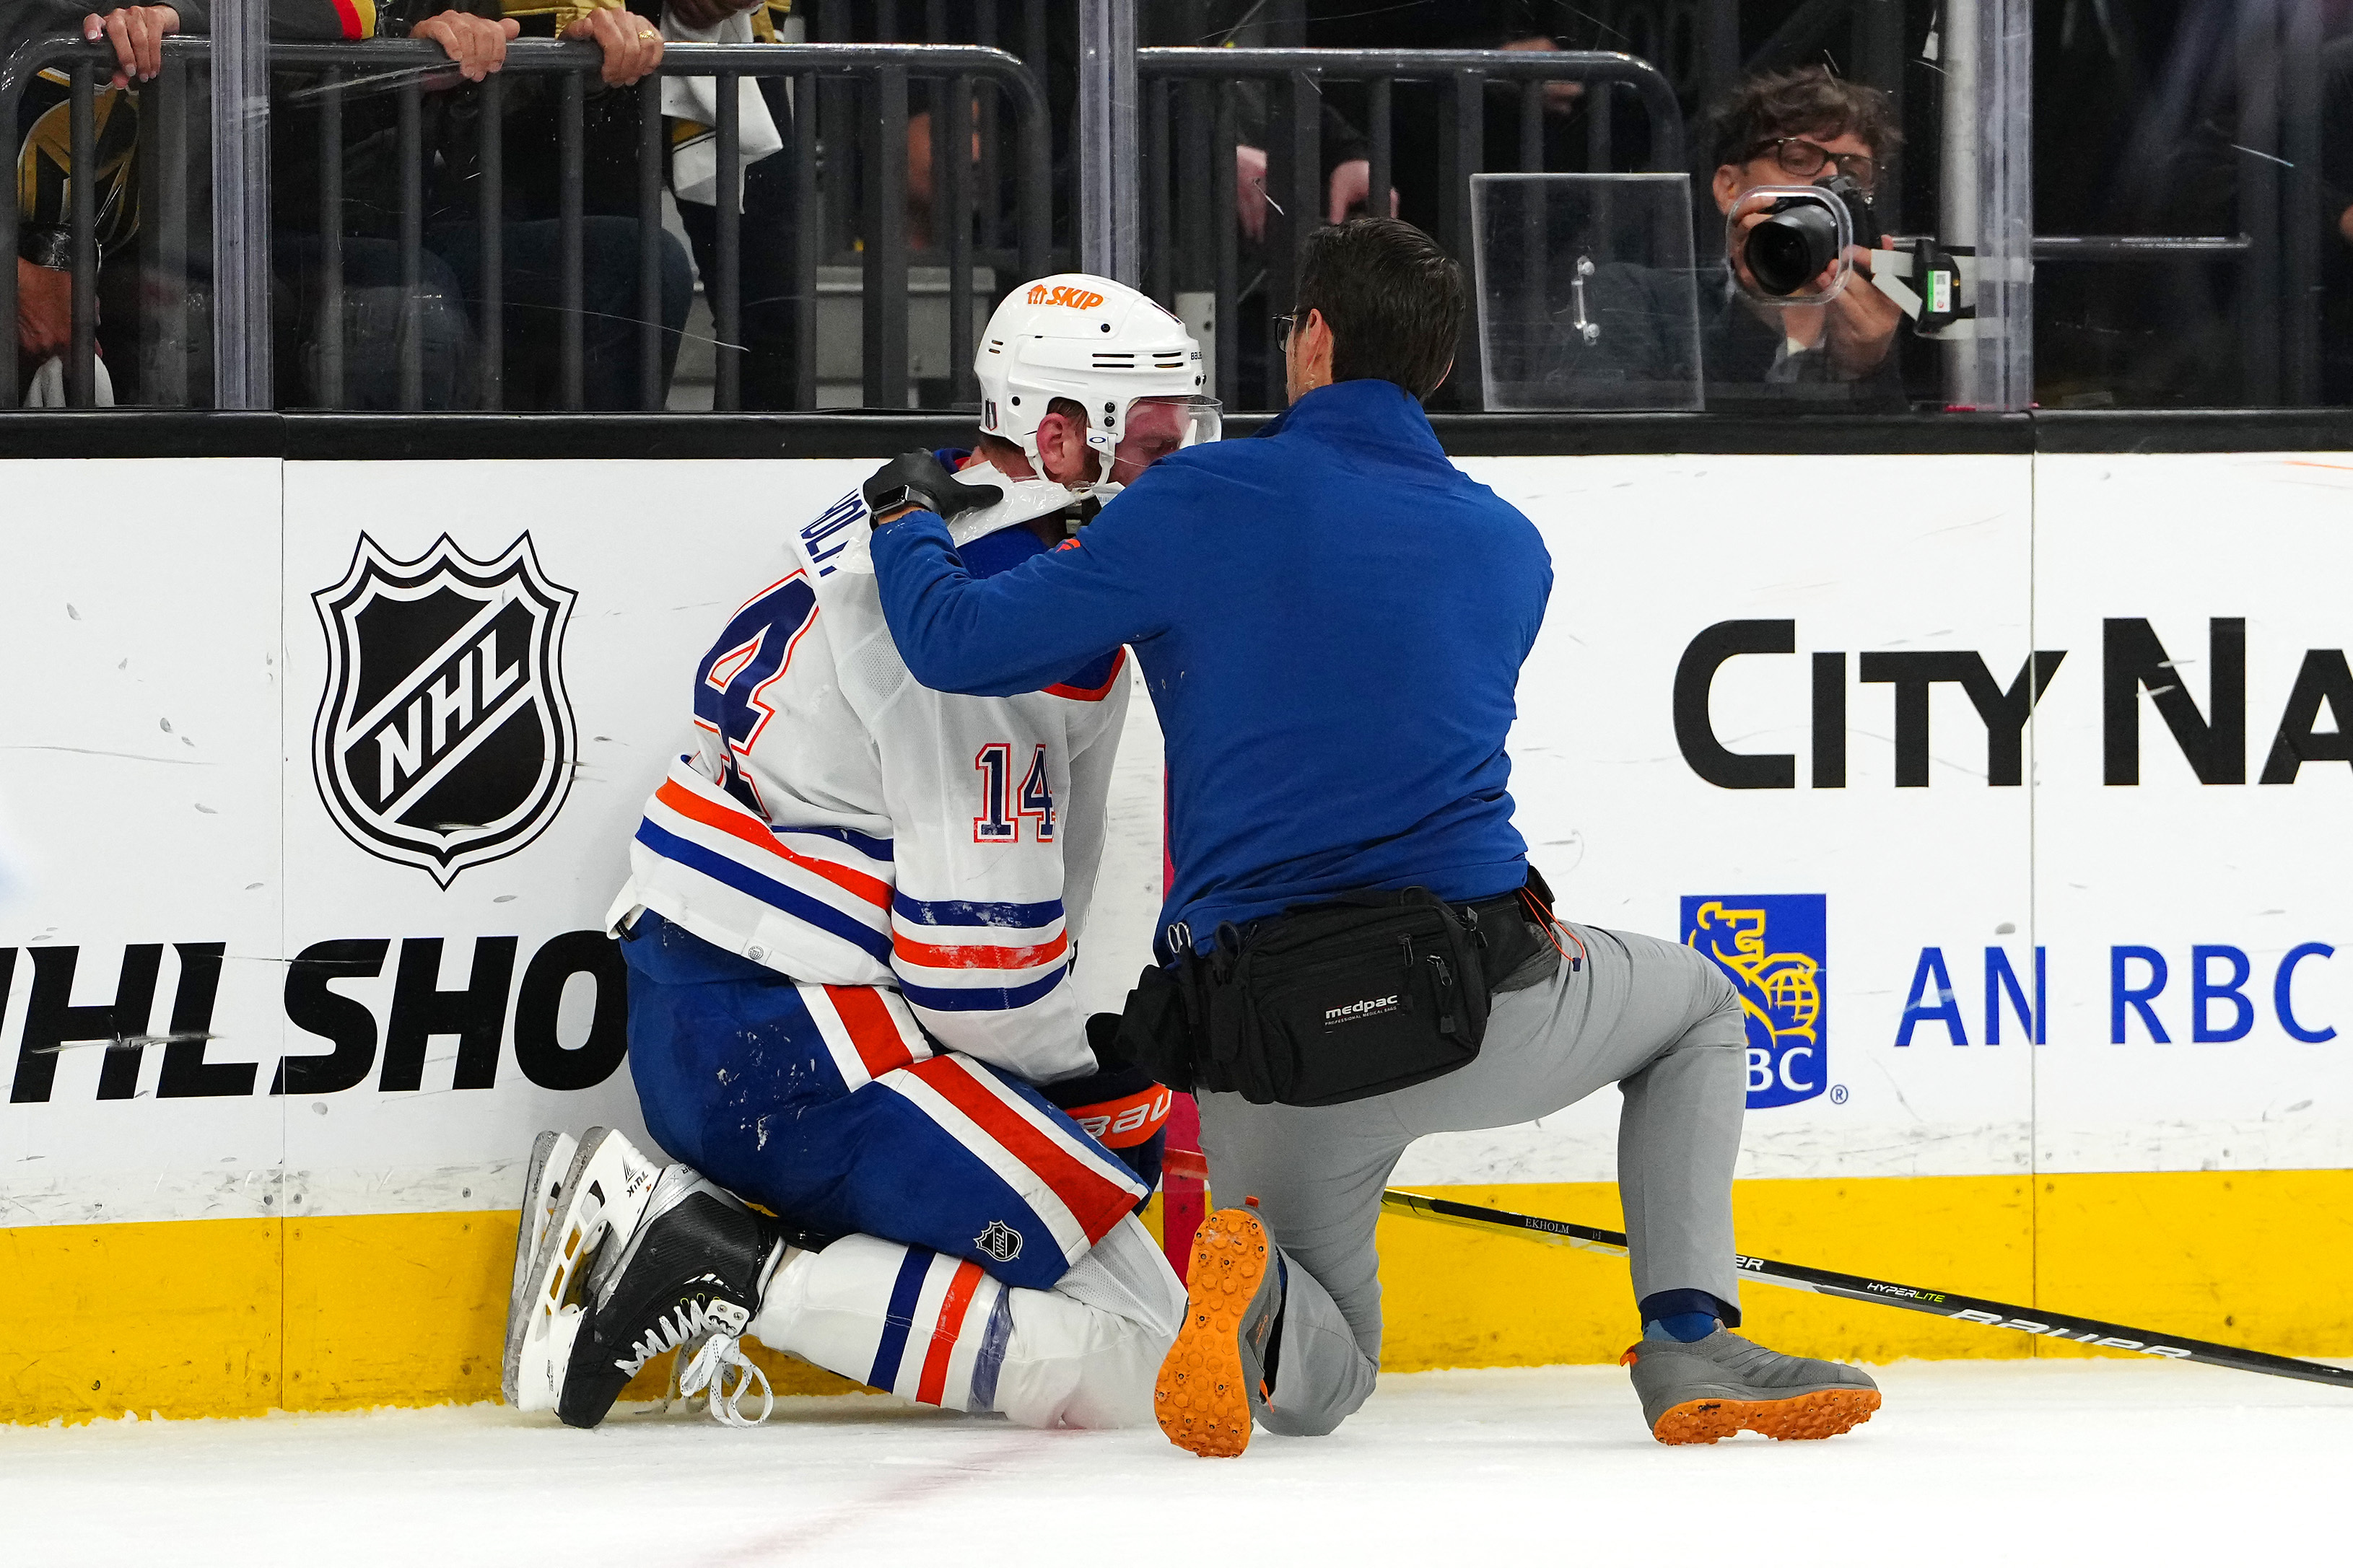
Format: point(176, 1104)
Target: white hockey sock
point(936, 1330)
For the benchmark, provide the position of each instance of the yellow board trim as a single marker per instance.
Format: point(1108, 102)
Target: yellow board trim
point(237, 1317)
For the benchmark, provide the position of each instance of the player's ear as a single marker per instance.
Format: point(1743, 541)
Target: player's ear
point(1061, 448)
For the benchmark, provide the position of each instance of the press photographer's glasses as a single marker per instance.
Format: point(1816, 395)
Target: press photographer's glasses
point(1804, 159)
point(1282, 325)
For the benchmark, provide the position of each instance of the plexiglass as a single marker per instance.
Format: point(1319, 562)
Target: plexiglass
point(1586, 294)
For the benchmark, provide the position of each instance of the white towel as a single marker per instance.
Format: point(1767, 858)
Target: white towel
point(694, 162)
point(49, 388)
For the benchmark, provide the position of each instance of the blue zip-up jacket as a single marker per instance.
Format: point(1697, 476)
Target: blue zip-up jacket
point(1331, 619)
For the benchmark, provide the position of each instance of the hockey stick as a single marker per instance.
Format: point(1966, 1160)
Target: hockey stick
point(2063, 1326)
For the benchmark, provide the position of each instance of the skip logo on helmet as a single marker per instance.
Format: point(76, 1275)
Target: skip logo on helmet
point(1130, 368)
point(1076, 298)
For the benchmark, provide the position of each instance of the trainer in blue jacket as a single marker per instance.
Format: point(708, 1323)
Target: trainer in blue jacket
point(1331, 619)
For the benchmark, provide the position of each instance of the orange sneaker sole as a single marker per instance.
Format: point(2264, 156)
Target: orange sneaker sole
point(1823, 1414)
point(1200, 1398)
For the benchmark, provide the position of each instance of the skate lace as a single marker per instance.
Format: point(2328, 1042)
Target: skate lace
point(720, 1354)
point(691, 1319)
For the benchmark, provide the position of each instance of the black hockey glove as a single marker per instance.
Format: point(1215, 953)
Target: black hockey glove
point(918, 478)
point(1102, 1038)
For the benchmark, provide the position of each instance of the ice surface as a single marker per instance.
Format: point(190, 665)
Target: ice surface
point(2082, 1463)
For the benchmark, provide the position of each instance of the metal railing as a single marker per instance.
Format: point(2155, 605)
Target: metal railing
point(817, 72)
point(1189, 119)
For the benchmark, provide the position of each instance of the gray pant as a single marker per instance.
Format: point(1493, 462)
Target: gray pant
point(1658, 1020)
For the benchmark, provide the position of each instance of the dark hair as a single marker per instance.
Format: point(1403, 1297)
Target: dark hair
point(1393, 300)
point(1809, 101)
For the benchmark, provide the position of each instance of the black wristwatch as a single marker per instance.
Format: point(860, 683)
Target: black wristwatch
point(916, 478)
point(904, 495)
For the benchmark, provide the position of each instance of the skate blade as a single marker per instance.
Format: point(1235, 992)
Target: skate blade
point(543, 1187)
point(1825, 1413)
point(1201, 1398)
point(602, 1197)
point(547, 1353)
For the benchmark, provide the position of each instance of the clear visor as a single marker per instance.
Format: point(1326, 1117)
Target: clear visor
point(1198, 417)
point(1151, 428)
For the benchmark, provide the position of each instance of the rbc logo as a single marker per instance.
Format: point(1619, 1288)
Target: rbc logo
point(1775, 951)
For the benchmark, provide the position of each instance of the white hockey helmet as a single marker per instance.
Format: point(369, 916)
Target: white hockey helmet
point(1101, 344)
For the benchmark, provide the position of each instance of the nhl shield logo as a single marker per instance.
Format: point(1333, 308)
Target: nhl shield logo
point(1000, 1241)
point(445, 738)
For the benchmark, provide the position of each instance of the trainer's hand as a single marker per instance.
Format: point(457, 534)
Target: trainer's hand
point(632, 45)
point(137, 33)
point(927, 486)
point(475, 45)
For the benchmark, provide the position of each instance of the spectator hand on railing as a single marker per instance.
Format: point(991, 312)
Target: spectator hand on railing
point(1249, 190)
point(44, 311)
point(1559, 96)
point(632, 45)
point(1352, 187)
point(137, 34)
point(476, 45)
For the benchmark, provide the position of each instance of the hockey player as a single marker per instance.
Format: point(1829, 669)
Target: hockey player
point(1334, 618)
point(852, 909)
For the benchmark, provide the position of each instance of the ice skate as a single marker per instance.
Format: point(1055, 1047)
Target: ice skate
point(1213, 1383)
point(693, 1267)
point(1698, 1391)
point(543, 1191)
point(590, 1212)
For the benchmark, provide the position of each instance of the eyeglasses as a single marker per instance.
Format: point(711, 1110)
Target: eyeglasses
point(1282, 325)
point(1804, 159)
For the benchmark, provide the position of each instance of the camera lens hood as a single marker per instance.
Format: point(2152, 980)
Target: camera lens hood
point(1789, 243)
point(1797, 243)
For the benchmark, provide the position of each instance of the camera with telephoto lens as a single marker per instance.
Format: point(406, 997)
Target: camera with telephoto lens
point(1805, 233)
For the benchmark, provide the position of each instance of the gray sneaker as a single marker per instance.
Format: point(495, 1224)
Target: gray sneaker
point(1711, 1388)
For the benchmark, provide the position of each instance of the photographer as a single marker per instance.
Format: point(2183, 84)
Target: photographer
point(1354, 952)
point(1800, 128)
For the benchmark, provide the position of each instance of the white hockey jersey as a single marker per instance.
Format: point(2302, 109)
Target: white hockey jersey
point(841, 824)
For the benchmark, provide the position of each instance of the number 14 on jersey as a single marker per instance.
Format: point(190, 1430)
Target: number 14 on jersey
point(1001, 815)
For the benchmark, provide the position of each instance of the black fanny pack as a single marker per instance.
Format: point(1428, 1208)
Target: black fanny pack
point(1329, 1003)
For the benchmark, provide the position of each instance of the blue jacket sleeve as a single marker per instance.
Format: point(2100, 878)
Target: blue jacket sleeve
point(1024, 629)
